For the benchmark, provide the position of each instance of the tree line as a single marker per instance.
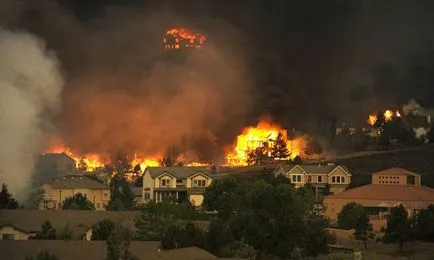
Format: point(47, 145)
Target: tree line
point(400, 226)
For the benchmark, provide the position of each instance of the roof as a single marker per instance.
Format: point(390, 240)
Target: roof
point(178, 172)
point(96, 250)
point(314, 168)
point(396, 171)
point(79, 221)
point(77, 182)
point(387, 192)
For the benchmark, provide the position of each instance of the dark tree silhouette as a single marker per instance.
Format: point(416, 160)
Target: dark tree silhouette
point(6, 199)
point(47, 233)
point(279, 150)
point(78, 202)
point(398, 227)
point(103, 229)
point(121, 194)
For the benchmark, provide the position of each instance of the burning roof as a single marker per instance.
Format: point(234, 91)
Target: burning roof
point(179, 38)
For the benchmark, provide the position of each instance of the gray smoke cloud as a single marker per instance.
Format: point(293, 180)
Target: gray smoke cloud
point(413, 108)
point(30, 87)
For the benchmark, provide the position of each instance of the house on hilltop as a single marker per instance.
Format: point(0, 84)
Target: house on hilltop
point(337, 176)
point(180, 183)
point(56, 191)
point(388, 189)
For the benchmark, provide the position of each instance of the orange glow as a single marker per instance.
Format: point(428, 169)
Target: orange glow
point(388, 116)
point(145, 162)
point(177, 38)
point(197, 164)
point(264, 133)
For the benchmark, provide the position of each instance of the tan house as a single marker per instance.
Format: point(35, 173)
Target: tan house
point(180, 183)
point(388, 189)
point(337, 176)
point(61, 188)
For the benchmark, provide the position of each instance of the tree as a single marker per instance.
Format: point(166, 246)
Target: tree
point(350, 213)
point(65, 233)
point(118, 244)
point(78, 202)
point(424, 224)
point(153, 221)
point(35, 198)
point(121, 164)
point(359, 140)
point(121, 194)
point(47, 233)
point(297, 160)
point(363, 229)
point(82, 166)
point(6, 199)
point(103, 229)
point(279, 150)
point(43, 255)
point(398, 227)
point(222, 197)
point(326, 190)
point(257, 156)
point(183, 235)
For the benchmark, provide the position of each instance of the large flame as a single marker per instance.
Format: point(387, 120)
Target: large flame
point(388, 116)
point(265, 132)
point(177, 38)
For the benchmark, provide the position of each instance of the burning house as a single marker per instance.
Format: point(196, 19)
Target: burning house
point(181, 38)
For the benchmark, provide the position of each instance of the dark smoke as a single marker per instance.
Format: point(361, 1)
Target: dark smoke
point(301, 62)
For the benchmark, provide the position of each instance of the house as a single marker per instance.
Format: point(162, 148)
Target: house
point(71, 250)
point(22, 224)
point(56, 191)
point(138, 195)
point(388, 189)
point(180, 183)
point(337, 176)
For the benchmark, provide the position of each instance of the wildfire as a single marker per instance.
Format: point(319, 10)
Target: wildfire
point(388, 116)
point(177, 38)
point(260, 136)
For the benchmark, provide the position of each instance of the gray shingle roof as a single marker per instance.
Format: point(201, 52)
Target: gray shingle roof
point(178, 172)
point(78, 221)
point(77, 182)
point(96, 250)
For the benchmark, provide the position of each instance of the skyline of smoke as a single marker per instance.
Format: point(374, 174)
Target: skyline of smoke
point(30, 87)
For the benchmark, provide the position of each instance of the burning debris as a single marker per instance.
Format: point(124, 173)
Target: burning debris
point(179, 38)
point(388, 115)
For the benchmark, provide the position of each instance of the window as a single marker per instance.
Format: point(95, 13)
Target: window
point(147, 195)
point(342, 179)
point(8, 237)
point(165, 182)
point(309, 179)
point(319, 178)
point(333, 179)
point(105, 194)
point(199, 183)
point(294, 178)
point(298, 178)
point(98, 205)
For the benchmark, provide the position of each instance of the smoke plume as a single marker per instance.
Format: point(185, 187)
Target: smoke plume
point(30, 86)
point(413, 108)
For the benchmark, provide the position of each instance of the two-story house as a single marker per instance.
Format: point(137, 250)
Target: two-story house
point(180, 183)
point(337, 176)
point(55, 192)
point(388, 189)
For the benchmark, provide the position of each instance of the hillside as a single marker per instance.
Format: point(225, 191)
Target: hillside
point(420, 160)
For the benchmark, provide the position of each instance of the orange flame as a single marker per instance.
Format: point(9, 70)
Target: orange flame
point(177, 38)
point(265, 132)
point(388, 116)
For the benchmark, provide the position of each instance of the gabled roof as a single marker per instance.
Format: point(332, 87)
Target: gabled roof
point(314, 168)
point(387, 192)
point(396, 171)
point(178, 172)
point(77, 182)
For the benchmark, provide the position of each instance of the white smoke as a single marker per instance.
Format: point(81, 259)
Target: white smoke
point(30, 85)
point(413, 108)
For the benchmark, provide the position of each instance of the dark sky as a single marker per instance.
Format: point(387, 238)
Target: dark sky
point(300, 60)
